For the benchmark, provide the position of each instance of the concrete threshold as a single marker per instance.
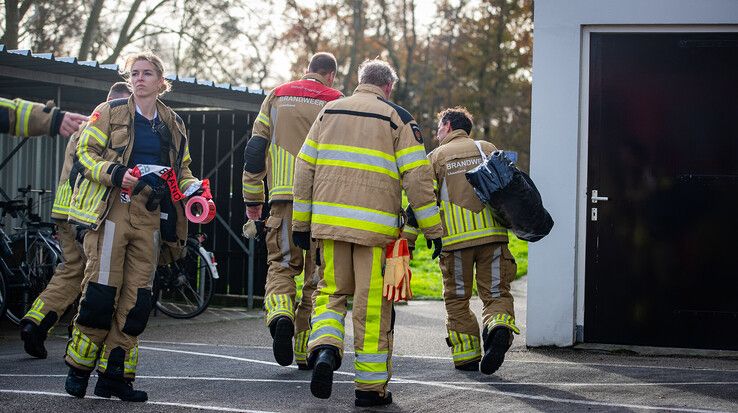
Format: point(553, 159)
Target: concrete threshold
point(656, 351)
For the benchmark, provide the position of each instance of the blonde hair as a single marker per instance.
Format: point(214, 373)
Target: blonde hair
point(151, 58)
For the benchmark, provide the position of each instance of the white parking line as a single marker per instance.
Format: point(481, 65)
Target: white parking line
point(561, 363)
point(410, 381)
point(190, 406)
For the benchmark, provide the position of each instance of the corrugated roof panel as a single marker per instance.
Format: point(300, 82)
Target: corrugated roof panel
point(110, 66)
point(91, 63)
point(66, 59)
point(47, 56)
point(22, 52)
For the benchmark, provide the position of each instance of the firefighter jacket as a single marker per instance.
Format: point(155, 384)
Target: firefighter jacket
point(22, 118)
point(466, 221)
point(105, 144)
point(63, 196)
point(358, 156)
point(278, 133)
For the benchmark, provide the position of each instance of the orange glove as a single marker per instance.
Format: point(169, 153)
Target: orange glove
point(397, 273)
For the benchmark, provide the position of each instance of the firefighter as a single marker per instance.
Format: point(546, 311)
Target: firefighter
point(64, 286)
point(124, 238)
point(22, 118)
point(358, 156)
point(280, 129)
point(473, 238)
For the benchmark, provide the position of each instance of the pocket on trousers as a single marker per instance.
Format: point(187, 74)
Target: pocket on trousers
point(273, 225)
point(508, 261)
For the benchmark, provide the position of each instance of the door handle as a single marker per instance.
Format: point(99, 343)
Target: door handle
point(596, 198)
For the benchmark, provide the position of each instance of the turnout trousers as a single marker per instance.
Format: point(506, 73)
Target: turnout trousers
point(116, 292)
point(352, 269)
point(65, 285)
point(286, 262)
point(495, 269)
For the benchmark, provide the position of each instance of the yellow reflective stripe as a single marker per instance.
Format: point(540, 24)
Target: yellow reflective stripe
point(253, 189)
point(96, 133)
point(184, 183)
point(187, 156)
point(427, 215)
point(281, 190)
point(129, 366)
point(471, 235)
point(10, 104)
point(82, 349)
point(373, 320)
point(360, 166)
point(279, 304)
point(35, 311)
point(82, 154)
point(410, 158)
point(354, 149)
point(62, 199)
point(410, 230)
point(23, 115)
point(503, 320)
point(263, 119)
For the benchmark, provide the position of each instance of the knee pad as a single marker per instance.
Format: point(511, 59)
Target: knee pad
point(254, 155)
point(139, 315)
point(96, 308)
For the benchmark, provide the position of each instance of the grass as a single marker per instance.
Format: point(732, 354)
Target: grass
point(427, 283)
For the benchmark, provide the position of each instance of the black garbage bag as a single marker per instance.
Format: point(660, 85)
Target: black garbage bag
point(512, 195)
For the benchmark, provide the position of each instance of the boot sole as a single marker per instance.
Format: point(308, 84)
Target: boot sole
point(322, 381)
point(106, 393)
point(494, 358)
point(282, 345)
point(373, 402)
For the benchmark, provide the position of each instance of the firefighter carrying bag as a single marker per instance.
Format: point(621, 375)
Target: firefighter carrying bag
point(511, 194)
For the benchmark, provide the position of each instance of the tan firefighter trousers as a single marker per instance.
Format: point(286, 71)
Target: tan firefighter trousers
point(350, 269)
point(116, 299)
point(286, 261)
point(65, 285)
point(495, 270)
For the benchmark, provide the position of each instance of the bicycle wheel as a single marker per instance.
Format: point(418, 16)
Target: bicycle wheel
point(185, 286)
point(35, 264)
point(2, 292)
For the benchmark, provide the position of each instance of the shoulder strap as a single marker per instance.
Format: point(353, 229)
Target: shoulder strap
point(481, 152)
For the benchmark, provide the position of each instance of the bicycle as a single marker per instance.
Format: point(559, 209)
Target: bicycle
point(183, 288)
point(30, 257)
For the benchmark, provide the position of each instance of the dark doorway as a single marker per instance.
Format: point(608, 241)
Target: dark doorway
point(662, 250)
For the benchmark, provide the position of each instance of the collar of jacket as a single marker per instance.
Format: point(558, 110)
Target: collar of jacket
point(454, 134)
point(161, 111)
point(366, 88)
point(317, 77)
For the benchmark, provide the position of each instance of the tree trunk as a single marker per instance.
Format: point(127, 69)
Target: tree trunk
point(124, 36)
point(358, 39)
point(12, 20)
point(92, 23)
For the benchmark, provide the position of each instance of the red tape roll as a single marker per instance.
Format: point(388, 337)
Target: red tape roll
point(207, 206)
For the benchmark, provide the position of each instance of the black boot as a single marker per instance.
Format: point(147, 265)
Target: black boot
point(372, 398)
point(282, 331)
point(470, 366)
point(76, 383)
point(33, 335)
point(112, 382)
point(325, 362)
point(496, 344)
point(304, 367)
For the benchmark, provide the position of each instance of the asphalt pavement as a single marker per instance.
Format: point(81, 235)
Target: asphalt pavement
point(222, 361)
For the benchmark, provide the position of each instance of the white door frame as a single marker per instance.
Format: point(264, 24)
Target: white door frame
point(582, 196)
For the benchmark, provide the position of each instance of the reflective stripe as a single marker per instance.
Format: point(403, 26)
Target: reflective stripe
point(386, 166)
point(280, 190)
point(22, 117)
point(81, 349)
point(464, 347)
point(107, 252)
point(373, 311)
point(458, 274)
point(310, 150)
point(428, 215)
point(411, 158)
point(371, 357)
point(350, 216)
point(263, 119)
point(278, 304)
point(496, 272)
point(99, 135)
point(35, 312)
point(130, 364)
point(285, 242)
point(301, 342)
point(410, 230)
point(371, 377)
point(253, 189)
point(301, 210)
point(505, 320)
point(327, 315)
point(326, 331)
point(282, 169)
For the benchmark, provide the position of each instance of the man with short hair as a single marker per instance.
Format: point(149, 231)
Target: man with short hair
point(66, 284)
point(278, 133)
point(22, 118)
point(473, 238)
point(358, 156)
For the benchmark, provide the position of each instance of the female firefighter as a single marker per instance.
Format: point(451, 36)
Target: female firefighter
point(128, 218)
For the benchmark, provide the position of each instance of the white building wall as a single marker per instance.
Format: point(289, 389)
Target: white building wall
point(558, 146)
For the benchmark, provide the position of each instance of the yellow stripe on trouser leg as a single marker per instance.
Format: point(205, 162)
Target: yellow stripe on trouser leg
point(301, 342)
point(372, 363)
point(327, 325)
point(81, 351)
point(465, 348)
point(503, 320)
point(279, 305)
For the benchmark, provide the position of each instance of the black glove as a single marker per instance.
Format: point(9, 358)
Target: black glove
point(117, 176)
point(411, 220)
point(436, 245)
point(301, 239)
point(155, 197)
point(79, 236)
